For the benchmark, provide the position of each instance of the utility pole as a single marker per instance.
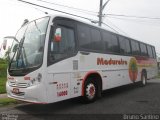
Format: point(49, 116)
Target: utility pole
point(100, 13)
point(101, 8)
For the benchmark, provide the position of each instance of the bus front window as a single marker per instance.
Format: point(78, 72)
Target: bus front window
point(29, 54)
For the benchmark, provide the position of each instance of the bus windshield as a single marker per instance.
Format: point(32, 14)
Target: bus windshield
point(29, 53)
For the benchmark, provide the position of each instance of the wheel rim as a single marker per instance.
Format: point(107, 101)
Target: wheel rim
point(90, 91)
point(144, 80)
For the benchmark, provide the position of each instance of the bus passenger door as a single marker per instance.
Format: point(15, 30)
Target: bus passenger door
point(61, 50)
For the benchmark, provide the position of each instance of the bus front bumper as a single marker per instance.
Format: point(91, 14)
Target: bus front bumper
point(32, 94)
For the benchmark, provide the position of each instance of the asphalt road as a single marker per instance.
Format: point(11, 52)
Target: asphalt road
point(130, 99)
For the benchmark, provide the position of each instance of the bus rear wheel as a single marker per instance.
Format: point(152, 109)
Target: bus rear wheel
point(91, 91)
point(143, 79)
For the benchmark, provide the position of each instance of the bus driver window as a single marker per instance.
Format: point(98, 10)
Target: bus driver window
point(62, 43)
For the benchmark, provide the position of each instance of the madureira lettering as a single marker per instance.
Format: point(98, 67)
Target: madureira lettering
point(102, 61)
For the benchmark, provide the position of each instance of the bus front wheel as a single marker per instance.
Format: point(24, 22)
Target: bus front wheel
point(91, 91)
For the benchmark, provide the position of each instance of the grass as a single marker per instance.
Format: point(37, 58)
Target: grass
point(3, 76)
point(2, 85)
point(7, 101)
point(3, 70)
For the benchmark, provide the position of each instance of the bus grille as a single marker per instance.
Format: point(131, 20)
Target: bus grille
point(18, 85)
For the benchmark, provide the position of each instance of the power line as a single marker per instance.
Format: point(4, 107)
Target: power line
point(55, 10)
point(78, 9)
point(67, 13)
point(110, 27)
point(130, 16)
point(135, 20)
point(41, 10)
point(35, 8)
point(118, 28)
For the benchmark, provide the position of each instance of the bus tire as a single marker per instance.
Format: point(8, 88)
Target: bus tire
point(90, 91)
point(143, 79)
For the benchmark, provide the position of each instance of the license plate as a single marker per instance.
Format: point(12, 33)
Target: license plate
point(15, 90)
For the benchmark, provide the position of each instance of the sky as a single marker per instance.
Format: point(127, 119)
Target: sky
point(13, 13)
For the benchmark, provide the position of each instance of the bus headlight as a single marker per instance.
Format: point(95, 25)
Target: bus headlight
point(36, 81)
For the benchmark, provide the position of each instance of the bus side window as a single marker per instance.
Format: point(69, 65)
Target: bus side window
point(154, 52)
point(135, 47)
point(149, 51)
point(124, 45)
point(110, 42)
point(84, 37)
point(143, 49)
point(62, 43)
point(96, 42)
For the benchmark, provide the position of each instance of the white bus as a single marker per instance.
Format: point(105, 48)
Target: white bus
point(59, 58)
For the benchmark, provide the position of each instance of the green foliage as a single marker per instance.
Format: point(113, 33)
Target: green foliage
point(3, 75)
point(7, 101)
point(3, 70)
point(3, 61)
point(2, 85)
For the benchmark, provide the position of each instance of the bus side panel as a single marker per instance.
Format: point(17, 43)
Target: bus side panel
point(64, 80)
point(112, 68)
point(148, 64)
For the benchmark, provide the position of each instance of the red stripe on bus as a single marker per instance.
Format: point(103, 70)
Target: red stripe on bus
point(42, 103)
point(141, 60)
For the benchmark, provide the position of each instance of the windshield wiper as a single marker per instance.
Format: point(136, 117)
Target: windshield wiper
point(19, 54)
point(12, 58)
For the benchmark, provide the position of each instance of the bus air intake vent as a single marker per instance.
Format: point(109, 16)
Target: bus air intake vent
point(18, 85)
